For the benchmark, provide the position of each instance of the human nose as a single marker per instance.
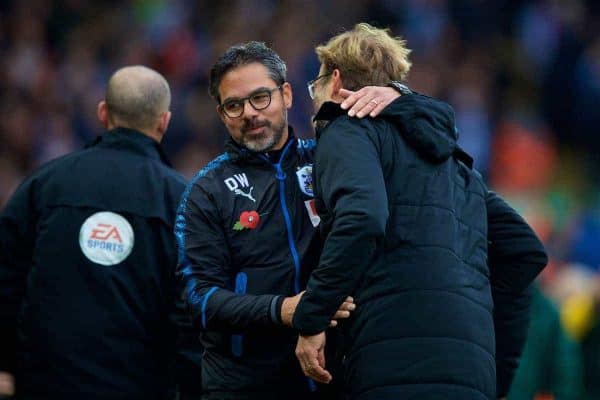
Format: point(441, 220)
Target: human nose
point(249, 109)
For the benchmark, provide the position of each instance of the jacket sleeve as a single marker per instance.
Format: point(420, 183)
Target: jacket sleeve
point(17, 230)
point(516, 256)
point(350, 183)
point(205, 270)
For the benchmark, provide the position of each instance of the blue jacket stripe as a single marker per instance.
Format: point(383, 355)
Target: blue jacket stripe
point(288, 222)
point(180, 222)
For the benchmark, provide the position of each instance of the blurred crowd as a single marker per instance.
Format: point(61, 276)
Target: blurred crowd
point(522, 75)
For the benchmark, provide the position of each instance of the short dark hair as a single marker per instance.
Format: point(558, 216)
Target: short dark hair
point(244, 54)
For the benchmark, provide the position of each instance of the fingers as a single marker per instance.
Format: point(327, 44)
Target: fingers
point(321, 358)
point(345, 309)
point(316, 372)
point(310, 352)
point(363, 105)
point(348, 304)
point(341, 314)
point(357, 100)
point(378, 109)
point(7, 384)
point(385, 96)
point(345, 93)
point(370, 100)
point(310, 366)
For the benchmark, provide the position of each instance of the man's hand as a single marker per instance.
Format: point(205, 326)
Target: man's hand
point(288, 308)
point(343, 312)
point(7, 384)
point(310, 351)
point(370, 100)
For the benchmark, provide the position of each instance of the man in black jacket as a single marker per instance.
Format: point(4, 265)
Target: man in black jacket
point(87, 257)
point(407, 223)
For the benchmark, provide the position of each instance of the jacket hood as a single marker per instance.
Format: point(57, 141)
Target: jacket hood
point(427, 125)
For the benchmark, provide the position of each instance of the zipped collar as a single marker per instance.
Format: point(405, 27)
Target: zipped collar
point(131, 140)
point(240, 154)
point(327, 113)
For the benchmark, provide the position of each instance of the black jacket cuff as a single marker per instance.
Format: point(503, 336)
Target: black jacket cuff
point(276, 310)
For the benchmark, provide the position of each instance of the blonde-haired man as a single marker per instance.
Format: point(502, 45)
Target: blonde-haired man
point(405, 219)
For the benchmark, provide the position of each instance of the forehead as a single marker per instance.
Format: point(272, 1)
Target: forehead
point(243, 80)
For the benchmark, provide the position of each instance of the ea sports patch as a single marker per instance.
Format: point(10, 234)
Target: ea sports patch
point(106, 238)
point(305, 181)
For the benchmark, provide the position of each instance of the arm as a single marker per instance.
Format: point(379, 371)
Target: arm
point(351, 185)
point(516, 256)
point(206, 274)
point(17, 230)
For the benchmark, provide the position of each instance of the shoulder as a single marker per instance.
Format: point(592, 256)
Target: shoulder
point(201, 181)
point(213, 169)
point(346, 130)
point(60, 166)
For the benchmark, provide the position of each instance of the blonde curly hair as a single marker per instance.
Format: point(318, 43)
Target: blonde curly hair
point(366, 56)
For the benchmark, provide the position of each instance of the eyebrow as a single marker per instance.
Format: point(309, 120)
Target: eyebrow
point(252, 93)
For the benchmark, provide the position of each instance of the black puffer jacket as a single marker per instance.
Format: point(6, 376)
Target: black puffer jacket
point(404, 216)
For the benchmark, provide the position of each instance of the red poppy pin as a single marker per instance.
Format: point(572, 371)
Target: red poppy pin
point(248, 220)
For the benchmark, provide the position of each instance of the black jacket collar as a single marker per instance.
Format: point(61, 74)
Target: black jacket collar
point(132, 140)
point(327, 113)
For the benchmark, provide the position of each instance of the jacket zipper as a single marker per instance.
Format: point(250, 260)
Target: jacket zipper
point(281, 176)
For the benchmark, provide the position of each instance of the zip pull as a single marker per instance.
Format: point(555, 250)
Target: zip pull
point(280, 175)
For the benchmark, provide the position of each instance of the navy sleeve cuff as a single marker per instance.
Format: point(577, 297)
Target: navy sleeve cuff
point(276, 309)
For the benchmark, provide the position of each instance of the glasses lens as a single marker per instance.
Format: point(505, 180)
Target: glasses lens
point(233, 109)
point(261, 100)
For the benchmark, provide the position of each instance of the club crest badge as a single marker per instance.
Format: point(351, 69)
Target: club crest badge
point(106, 238)
point(305, 181)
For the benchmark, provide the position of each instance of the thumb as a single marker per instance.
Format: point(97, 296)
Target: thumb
point(345, 93)
point(321, 358)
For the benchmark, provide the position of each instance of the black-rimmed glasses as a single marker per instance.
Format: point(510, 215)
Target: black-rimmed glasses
point(311, 85)
point(259, 100)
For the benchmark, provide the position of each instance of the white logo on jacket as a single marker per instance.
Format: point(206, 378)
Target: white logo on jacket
point(305, 181)
point(237, 183)
point(106, 238)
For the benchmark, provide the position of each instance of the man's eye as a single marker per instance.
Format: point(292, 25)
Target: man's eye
point(260, 98)
point(233, 106)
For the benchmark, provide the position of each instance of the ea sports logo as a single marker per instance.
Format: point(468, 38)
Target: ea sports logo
point(106, 238)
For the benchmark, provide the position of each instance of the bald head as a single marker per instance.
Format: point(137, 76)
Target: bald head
point(137, 97)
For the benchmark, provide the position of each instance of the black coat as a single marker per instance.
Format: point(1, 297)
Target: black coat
point(92, 296)
point(406, 224)
point(246, 240)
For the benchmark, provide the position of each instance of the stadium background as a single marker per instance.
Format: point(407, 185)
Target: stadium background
point(523, 77)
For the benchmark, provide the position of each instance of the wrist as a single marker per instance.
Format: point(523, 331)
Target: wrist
point(400, 87)
point(287, 311)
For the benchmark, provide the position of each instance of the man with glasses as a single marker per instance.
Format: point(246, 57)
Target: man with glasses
point(438, 265)
point(246, 230)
